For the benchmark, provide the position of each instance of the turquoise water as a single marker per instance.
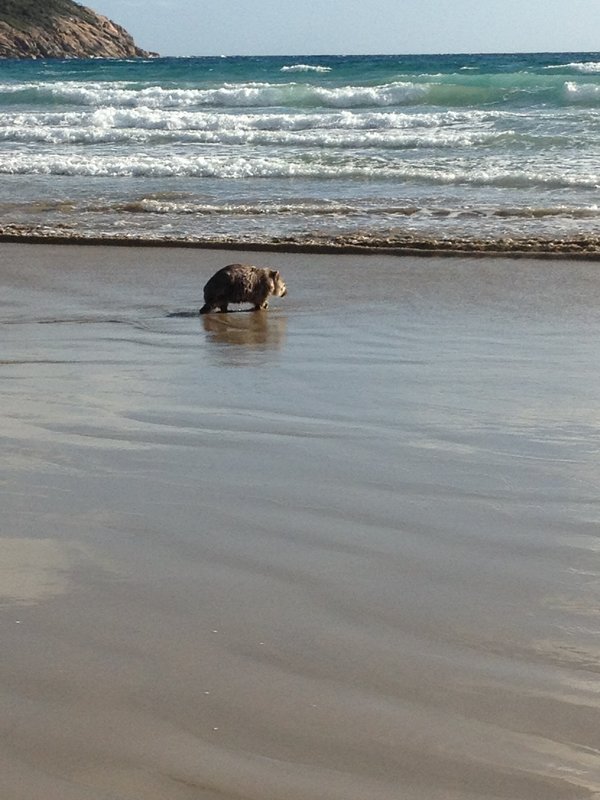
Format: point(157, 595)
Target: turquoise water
point(483, 146)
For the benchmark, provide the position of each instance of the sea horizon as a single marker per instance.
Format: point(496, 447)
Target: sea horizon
point(299, 54)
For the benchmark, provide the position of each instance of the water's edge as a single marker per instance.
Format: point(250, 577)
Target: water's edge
point(582, 248)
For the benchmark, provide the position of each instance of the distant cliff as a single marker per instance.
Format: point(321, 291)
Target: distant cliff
point(61, 29)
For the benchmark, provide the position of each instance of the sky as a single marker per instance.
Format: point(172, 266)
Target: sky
point(295, 27)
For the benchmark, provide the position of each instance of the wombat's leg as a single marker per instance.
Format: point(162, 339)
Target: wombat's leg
point(223, 306)
point(206, 308)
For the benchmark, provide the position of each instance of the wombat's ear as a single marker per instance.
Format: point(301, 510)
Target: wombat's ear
point(275, 274)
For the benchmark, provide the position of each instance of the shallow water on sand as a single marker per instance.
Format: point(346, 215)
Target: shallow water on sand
point(346, 549)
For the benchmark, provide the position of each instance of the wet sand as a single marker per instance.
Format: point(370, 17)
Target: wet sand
point(347, 549)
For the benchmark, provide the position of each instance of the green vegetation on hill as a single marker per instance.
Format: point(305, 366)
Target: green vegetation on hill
point(23, 14)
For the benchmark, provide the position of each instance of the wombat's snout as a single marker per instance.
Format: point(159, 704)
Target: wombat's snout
point(279, 287)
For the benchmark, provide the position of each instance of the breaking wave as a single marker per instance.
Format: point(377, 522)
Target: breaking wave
point(174, 120)
point(305, 68)
point(448, 92)
point(586, 67)
point(312, 138)
point(309, 166)
point(226, 95)
point(163, 206)
point(582, 93)
point(344, 129)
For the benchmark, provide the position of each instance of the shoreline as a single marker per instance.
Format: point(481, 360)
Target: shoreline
point(585, 248)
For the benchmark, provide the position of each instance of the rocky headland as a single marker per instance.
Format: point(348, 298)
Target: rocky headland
point(61, 29)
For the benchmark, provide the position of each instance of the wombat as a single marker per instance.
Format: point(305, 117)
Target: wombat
point(241, 283)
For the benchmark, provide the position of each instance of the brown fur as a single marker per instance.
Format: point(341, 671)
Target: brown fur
point(241, 283)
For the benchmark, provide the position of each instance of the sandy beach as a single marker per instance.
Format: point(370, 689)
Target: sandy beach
point(346, 549)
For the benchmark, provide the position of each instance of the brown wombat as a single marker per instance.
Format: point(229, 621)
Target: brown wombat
point(241, 283)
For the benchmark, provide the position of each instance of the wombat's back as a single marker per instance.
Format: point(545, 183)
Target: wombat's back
point(236, 281)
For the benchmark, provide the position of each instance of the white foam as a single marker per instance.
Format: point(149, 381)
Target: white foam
point(305, 68)
point(581, 92)
point(246, 134)
point(228, 166)
point(342, 129)
point(586, 67)
point(392, 94)
point(234, 95)
point(152, 205)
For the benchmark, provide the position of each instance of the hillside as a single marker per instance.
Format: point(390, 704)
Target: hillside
point(61, 29)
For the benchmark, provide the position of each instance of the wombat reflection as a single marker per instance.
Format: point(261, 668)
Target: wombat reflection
point(241, 283)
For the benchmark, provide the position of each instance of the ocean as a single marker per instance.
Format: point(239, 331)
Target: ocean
point(256, 149)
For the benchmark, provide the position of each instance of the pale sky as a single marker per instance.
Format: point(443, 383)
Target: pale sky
point(294, 27)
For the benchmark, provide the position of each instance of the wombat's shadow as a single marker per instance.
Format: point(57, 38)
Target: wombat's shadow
point(256, 329)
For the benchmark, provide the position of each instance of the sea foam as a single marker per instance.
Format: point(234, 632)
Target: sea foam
point(431, 89)
point(292, 95)
point(586, 67)
point(584, 93)
point(349, 166)
point(305, 68)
